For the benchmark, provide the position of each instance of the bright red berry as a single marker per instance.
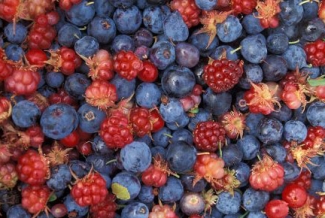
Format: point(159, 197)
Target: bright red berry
point(276, 209)
point(243, 7)
point(127, 64)
point(90, 190)
point(5, 109)
point(222, 75)
point(268, 13)
point(140, 120)
point(295, 195)
point(149, 73)
point(209, 135)
point(36, 57)
point(6, 69)
point(315, 52)
point(165, 211)
point(34, 198)
point(189, 11)
point(67, 4)
point(8, 176)
point(266, 175)
point(105, 209)
point(320, 206)
point(32, 168)
point(71, 140)
point(61, 96)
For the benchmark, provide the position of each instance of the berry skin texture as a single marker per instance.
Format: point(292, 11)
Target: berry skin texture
point(222, 75)
point(295, 195)
point(32, 168)
point(34, 198)
point(243, 6)
point(189, 11)
point(276, 209)
point(90, 190)
point(266, 175)
point(139, 118)
point(127, 64)
point(209, 136)
point(315, 52)
point(22, 82)
point(106, 208)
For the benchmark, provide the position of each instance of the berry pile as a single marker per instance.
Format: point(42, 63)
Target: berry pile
point(162, 108)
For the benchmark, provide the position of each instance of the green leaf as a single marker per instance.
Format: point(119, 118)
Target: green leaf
point(120, 191)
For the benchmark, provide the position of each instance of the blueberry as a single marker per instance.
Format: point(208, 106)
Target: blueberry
point(201, 41)
point(162, 54)
point(295, 130)
point(158, 151)
point(122, 3)
point(283, 113)
point(187, 181)
point(274, 68)
point(291, 12)
point(135, 157)
point(172, 191)
point(219, 51)
point(135, 210)
point(90, 118)
point(148, 95)
point(79, 168)
point(153, 17)
point(249, 145)
point(277, 152)
point(242, 172)
point(316, 114)
point(269, 130)
point(192, 203)
point(229, 30)
point(73, 208)
point(295, 56)
point(254, 200)
point(124, 88)
point(252, 24)
point(217, 103)
point(258, 214)
point(143, 37)
point(103, 29)
point(59, 120)
point(171, 110)
point(318, 171)
point(162, 137)
point(14, 52)
point(86, 46)
point(187, 55)
point(68, 35)
point(253, 73)
point(122, 42)
point(126, 186)
point(100, 163)
point(177, 81)
point(127, 20)
point(181, 156)
point(146, 194)
point(17, 211)
point(15, 34)
point(277, 43)
point(229, 203)
point(202, 115)
point(81, 14)
point(175, 27)
point(179, 123)
point(232, 154)
point(253, 48)
point(104, 8)
point(206, 5)
point(54, 79)
point(60, 177)
point(291, 171)
point(25, 113)
point(310, 10)
point(76, 84)
point(182, 134)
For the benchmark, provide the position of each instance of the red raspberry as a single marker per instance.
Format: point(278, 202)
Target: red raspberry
point(36, 57)
point(33, 168)
point(105, 209)
point(315, 52)
point(64, 60)
point(5, 109)
point(268, 13)
point(8, 176)
point(156, 174)
point(71, 140)
point(90, 190)
point(8, 9)
point(116, 130)
point(6, 69)
point(209, 135)
point(101, 94)
point(40, 100)
point(61, 96)
point(315, 138)
point(34, 198)
point(22, 82)
point(293, 96)
point(100, 65)
point(320, 206)
point(127, 64)
point(149, 73)
point(261, 97)
point(222, 75)
point(5, 153)
point(67, 4)
point(228, 182)
point(276, 209)
point(304, 179)
point(35, 136)
point(156, 120)
point(165, 211)
point(140, 120)
point(266, 175)
point(210, 167)
point(243, 6)
point(189, 11)
point(307, 210)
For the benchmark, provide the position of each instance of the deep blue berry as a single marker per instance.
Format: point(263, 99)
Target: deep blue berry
point(277, 43)
point(126, 186)
point(103, 29)
point(182, 134)
point(73, 207)
point(274, 68)
point(253, 48)
point(217, 103)
point(100, 163)
point(90, 118)
point(295, 56)
point(17, 211)
point(124, 88)
point(295, 130)
point(232, 155)
point(148, 95)
point(127, 20)
point(206, 5)
point(229, 30)
point(254, 200)
point(15, 34)
point(86, 46)
point(218, 52)
point(201, 41)
point(187, 55)
point(60, 177)
point(54, 79)
point(175, 27)
point(172, 110)
point(25, 114)
point(252, 73)
point(122, 42)
point(68, 35)
point(122, 3)
point(187, 181)
point(146, 194)
point(76, 84)
point(291, 12)
point(162, 54)
point(143, 37)
point(202, 115)
point(172, 191)
point(277, 152)
point(269, 130)
point(282, 114)
point(135, 210)
point(153, 18)
point(250, 146)
point(316, 114)
point(14, 52)
point(242, 172)
point(162, 137)
point(229, 203)
point(104, 8)
point(291, 171)
point(252, 24)
point(81, 14)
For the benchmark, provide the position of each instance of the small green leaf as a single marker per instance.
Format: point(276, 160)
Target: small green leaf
point(52, 198)
point(316, 82)
point(120, 191)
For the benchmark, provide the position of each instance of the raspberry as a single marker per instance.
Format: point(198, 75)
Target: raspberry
point(320, 206)
point(64, 60)
point(116, 131)
point(157, 122)
point(36, 57)
point(6, 69)
point(67, 4)
point(22, 82)
point(209, 135)
point(100, 65)
point(222, 75)
point(304, 179)
point(32, 168)
point(156, 174)
point(315, 137)
point(105, 209)
point(5, 153)
point(5, 109)
point(315, 52)
point(101, 94)
point(8, 9)
point(293, 96)
point(243, 6)
point(189, 11)
point(90, 190)
point(261, 97)
point(210, 167)
point(61, 96)
point(268, 13)
point(160, 210)
point(307, 210)
point(8, 176)
point(127, 64)
point(234, 123)
point(266, 175)
point(149, 73)
point(228, 182)
point(140, 120)
point(34, 198)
